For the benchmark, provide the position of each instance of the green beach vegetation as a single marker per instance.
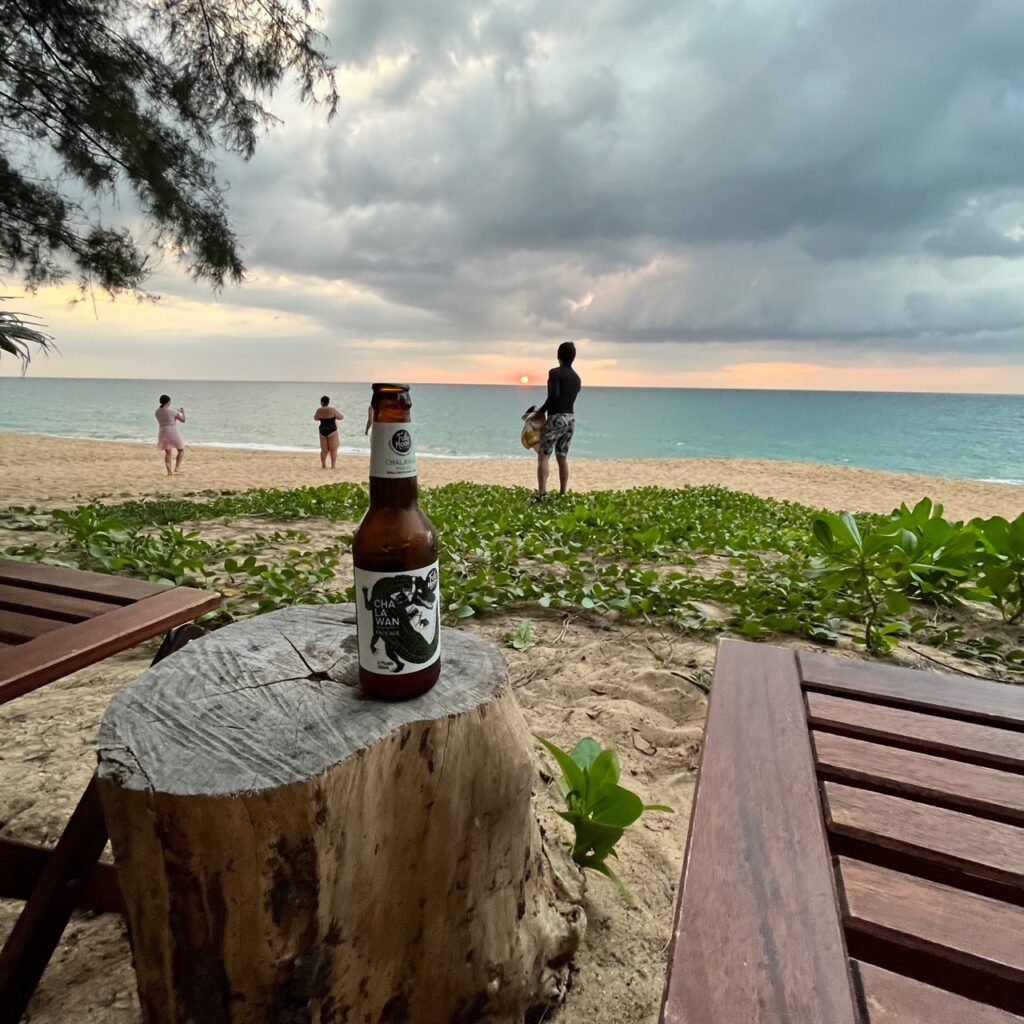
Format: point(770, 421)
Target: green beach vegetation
point(698, 559)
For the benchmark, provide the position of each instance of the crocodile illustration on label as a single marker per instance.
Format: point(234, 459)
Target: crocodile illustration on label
point(398, 619)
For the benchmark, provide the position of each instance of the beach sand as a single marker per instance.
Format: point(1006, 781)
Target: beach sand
point(587, 676)
point(634, 685)
point(47, 470)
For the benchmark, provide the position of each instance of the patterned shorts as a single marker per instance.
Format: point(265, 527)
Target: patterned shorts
point(556, 434)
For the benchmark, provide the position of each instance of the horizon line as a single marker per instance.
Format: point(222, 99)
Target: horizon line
point(532, 384)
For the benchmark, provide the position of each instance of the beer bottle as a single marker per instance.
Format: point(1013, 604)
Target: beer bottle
point(394, 552)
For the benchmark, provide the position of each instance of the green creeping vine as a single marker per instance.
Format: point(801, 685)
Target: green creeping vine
point(701, 558)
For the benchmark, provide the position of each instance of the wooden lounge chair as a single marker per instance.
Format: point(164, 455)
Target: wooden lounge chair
point(54, 621)
point(856, 848)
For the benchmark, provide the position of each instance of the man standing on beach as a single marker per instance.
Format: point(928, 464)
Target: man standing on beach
point(556, 434)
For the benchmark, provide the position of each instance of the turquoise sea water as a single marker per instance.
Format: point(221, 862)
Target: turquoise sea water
point(976, 436)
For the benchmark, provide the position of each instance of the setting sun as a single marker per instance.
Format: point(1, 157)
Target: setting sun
point(524, 379)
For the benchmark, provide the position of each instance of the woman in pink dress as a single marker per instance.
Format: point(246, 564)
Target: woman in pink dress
point(169, 439)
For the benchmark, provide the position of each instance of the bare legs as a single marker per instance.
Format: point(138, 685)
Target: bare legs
point(329, 447)
point(563, 473)
point(544, 467)
point(177, 461)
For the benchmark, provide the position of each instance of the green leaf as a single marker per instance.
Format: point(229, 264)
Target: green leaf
point(603, 772)
point(617, 807)
point(852, 532)
point(822, 532)
point(574, 776)
point(594, 841)
point(585, 752)
point(522, 638)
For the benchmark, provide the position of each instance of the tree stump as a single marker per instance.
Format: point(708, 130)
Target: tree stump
point(293, 853)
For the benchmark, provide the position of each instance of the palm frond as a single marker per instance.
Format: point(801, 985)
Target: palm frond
point(21, 335)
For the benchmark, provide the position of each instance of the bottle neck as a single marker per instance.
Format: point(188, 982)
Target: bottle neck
point(393, 480)
point(386, 493)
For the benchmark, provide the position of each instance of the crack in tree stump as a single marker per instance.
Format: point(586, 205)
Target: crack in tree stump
point(293, 853)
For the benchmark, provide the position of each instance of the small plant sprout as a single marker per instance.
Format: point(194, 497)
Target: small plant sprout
point(522, 638)
point(597, 807)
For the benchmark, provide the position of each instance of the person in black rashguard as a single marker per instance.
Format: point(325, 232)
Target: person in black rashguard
point(556, 434)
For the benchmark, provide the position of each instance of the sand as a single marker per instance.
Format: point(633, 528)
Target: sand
point(587, 676)
point(47, 470)
point(636, 686)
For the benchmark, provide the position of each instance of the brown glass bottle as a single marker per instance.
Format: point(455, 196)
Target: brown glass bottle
point(394, 552)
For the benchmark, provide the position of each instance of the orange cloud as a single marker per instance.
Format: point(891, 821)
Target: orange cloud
point(184, 337)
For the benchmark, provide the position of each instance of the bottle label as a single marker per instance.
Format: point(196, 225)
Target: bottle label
point(398, 619)
point(392, 455)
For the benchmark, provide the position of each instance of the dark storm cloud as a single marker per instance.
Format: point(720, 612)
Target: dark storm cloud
point(818, 172)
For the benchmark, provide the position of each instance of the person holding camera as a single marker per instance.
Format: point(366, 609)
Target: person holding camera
point(169, 438)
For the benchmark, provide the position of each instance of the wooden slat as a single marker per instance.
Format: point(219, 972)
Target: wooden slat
point(943, 693)
point(758, 935)
point(982, 744)
point(76, 582)
point(890, 998)
point(944, 922)
point(17, 627)
point(50, 605)
point(969, 787)
point(987, 849)
point(72, 647)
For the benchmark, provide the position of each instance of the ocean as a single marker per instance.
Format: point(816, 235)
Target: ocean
point(975, 436)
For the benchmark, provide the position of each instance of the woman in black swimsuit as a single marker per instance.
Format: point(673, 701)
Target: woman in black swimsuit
point(328, 417)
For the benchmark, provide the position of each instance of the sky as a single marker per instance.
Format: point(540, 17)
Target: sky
point(706, 193)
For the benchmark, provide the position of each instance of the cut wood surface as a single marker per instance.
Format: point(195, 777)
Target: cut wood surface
point(947, 923)
point(941, 692)
point(289, 850)
point(269, 702)
point(970, 787)
point(988, 849)
point(758, 936)
point(931, 734)
point(894, 999)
